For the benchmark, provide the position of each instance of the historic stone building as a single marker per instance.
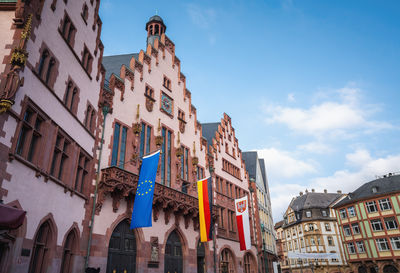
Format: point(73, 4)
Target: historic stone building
point(310, 226)
point(231, 182)
point(49, 92)
point(267, 246)
point(369, 224)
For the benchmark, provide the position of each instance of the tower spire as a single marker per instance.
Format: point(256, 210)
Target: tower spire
point(155, 28)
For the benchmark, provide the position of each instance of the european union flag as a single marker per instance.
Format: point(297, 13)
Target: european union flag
point(143, 204)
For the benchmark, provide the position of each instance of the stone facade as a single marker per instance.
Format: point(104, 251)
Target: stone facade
point(50, 52)
point(310, 226)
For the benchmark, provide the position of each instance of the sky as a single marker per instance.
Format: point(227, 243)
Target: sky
point(313, 86)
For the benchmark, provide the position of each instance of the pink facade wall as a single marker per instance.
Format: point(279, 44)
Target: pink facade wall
point(29, 187)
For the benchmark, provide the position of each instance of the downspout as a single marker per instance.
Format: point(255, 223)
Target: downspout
point(105, 112)
point(211, 170)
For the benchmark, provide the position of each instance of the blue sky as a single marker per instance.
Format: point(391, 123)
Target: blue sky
point(313, 85)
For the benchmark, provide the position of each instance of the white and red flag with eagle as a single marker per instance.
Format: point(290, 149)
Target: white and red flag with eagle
point(243, 223)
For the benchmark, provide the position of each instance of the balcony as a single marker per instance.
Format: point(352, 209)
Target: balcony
point(119, 183)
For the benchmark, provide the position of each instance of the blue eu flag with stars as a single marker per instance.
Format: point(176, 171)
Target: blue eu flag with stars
point(143, 204)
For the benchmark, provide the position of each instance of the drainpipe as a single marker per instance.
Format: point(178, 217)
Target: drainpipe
point(211, 170)
point(105, 112)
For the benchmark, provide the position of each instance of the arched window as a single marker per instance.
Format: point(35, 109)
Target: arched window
point(74, 94)
point(157, 30)
point(42, 61)
point(49, 70)
point(249, 264)
point(87, 118)
point(41, 249)
point(92, 120)
point(226, 263)
point(151, 30)
point(68, 253)
point(390, 269)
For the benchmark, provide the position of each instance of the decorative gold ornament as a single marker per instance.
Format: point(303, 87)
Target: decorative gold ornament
point(5, 105)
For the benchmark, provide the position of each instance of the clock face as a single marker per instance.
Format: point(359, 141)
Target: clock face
point(166, 104)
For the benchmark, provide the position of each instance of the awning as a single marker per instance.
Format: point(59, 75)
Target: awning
point(11, 218)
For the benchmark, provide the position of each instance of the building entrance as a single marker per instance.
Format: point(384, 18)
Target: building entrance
point(173, 260)
point(122, 250)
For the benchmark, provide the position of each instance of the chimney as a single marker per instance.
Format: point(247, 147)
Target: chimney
point(339, 191)
point(301, 193)
point(313, 190)
point(325, 191)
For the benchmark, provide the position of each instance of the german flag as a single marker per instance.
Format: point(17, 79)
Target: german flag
point(204, 188)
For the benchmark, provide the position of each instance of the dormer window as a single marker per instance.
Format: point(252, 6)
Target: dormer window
point(374, 189)
point(308, 214)
point(324, 213)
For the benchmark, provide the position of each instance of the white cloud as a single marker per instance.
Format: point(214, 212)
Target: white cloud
point(316, 148)
point(290, 97)
point(283, 164)
point(334, 117)
point(203, 18)
point(366, 168)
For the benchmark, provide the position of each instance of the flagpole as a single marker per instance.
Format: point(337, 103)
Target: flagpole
point(211, 171)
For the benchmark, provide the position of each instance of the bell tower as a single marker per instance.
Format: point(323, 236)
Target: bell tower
point(155, 27)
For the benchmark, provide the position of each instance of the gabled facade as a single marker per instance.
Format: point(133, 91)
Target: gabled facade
point(231, 182)
point(49, 92)
point(267, 245)
point(151, 109)
point(310, 227)
point(369, 225)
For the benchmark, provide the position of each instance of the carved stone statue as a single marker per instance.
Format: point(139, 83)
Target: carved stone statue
point(13, 82)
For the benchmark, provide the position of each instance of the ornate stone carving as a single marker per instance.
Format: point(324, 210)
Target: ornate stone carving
point(182, 125)
point(159, 141)
point(118, 183)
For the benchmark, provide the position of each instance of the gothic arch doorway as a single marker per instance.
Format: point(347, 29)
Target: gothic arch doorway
point(173, 260)
point(122, 250)
point(201, 258)
point(226, 262)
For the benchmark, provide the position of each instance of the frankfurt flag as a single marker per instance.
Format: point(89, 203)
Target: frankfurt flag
point(243, 224)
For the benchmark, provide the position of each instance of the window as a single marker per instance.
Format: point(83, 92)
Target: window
point(371, 206)
point(68, 30)
point(324, 213)
point(49, 70)
point(60, 157)
point(41, 249)
point(231, 223)
point(82, 172)
point(149, 92)
point(330, 241)
point(167, 83)
point(319, 240)
point(42, 62)
point(300, 227)
point(200, 172)
point(90, 118)
point(221, 218)
point(347, 231)
point(302, 242)
point(356, 228)
point(311, 227)
point(145, 139)
point(166, 157)
point(382, 244)
point(119, 146)
point(376, 225)
point(87, 60)
point(390, 223)
point(30, 135)
point(68, 253)
point(384, 204)
point(327, 227)
point(360, 247)
point(71, 97)
point(308, 214)
point(343, 213)
point(351, 248)
point(185, 164)
point(395, 242)
point(85, 12)
point(351, 211)
point(312, 241)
